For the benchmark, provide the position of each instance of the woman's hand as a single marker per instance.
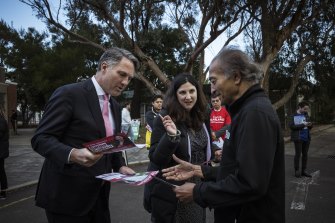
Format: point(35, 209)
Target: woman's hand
point(169, 125)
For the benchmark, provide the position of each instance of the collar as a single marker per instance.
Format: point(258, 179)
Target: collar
point(253, 91)
point(154, 111)
point(218, 109)
point(99, 90)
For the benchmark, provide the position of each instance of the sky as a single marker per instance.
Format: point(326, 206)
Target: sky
point(20, 16)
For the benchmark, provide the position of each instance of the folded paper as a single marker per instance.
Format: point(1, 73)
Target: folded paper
point(136, 179)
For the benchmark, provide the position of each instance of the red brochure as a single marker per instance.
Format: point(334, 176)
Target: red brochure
point(110, 144)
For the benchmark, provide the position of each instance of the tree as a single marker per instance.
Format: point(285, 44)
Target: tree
point(21, 50)
point(130, 23)
point(285, 32)
point(290, 33)
point(39, 66)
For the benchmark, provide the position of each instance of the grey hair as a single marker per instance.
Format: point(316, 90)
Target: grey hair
point(232, 60)
point(114, 55)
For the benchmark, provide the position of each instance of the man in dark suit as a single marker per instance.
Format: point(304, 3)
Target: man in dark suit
point(67, 188)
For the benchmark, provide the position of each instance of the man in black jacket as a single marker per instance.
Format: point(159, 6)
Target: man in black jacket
point(157, 102)
point(249, 184)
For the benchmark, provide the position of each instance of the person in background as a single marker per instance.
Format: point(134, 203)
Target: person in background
point(249, 183)
point(300, 125)
point(13, 121)
point(182, 129)
point(76, 114)
point(4, 153)
point(126, 120)
point(156, 102)
point(219, 122)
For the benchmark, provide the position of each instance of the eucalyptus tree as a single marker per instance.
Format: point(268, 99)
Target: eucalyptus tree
point(170, 36)
point(286, 36)
point(177, 30)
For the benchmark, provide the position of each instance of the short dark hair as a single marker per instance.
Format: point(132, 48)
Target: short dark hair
point(126, 103)
point(303, 104)
point(215, 94)
point(155, 97)
point(114, 55)
point(196, 116)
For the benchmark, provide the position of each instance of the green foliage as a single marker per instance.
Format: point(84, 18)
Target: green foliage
point(39, 69)
point(171, 33)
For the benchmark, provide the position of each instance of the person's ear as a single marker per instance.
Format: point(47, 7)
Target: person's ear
point(104, 66)
point(237, 78)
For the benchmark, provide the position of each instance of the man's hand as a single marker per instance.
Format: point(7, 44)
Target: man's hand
point(84, 157)
point(126, 170)
point(183, 171)
point(184, 193)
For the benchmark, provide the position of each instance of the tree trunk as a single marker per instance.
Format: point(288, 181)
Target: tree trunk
point(136, 101)
point(295, 81)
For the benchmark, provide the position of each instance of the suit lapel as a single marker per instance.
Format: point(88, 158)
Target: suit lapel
point(94, 106)
point(115, 108)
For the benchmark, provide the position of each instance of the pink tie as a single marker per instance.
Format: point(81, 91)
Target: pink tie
point(105, 115)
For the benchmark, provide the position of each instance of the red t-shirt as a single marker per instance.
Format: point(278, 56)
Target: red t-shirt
point(218, 119)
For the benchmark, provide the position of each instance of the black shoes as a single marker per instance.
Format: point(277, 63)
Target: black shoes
point(297, 174)
point(305, 174)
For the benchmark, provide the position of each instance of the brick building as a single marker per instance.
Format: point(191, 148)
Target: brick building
point(8, 95)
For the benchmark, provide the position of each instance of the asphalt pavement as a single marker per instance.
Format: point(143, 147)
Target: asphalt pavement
point(308, 200)
point(23, 165)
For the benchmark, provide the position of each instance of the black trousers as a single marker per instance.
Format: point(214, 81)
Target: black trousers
point(301, 150)
point(3, 176)
point(98, 214)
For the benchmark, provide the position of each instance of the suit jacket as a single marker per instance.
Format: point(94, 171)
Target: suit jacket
point(72, 117)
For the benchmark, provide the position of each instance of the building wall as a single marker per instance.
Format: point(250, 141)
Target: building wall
point(11, 97)
point(3, 97)
point(8, 94)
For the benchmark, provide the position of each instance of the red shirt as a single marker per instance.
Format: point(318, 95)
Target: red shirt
point(218, 119)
